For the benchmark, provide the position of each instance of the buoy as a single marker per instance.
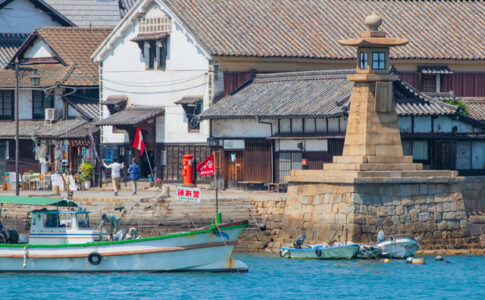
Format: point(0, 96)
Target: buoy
point(415, 261)
point(439, 257)
point(386, 260)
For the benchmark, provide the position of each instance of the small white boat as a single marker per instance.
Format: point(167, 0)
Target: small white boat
point(62, 241)
point(398, 248)
point(321, 252)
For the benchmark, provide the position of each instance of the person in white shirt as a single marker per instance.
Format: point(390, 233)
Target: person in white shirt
point(115, 173)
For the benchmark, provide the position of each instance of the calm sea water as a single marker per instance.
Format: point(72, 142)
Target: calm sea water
point(268, 277)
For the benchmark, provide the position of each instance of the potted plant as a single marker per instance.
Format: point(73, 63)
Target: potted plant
point(87, 169)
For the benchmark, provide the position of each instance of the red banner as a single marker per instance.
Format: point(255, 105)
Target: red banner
point(207, 166)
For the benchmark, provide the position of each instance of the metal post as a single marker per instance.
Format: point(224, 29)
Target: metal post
point(215, 184)
point(17, 127)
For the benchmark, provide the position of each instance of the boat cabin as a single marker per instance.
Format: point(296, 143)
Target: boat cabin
point(52, 227)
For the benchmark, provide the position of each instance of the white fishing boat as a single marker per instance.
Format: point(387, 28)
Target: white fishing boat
point(398, 247)
point(62, 241)
point(336, 250)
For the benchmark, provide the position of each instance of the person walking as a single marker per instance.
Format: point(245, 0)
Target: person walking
point(134, 172)
point(114, 224)
point(115, 173)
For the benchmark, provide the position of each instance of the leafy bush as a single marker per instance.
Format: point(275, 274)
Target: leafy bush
point(463, 109)
point(86, 171)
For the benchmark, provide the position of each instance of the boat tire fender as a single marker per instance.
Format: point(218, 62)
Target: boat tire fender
point(94, 258)
point(318, 252)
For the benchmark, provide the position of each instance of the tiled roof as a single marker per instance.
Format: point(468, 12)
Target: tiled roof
point(133, 115)
point(115, 99)
point(43, 6)
point(29, 129)
point(285, 95)
point(86, 106)
point(125, 6)
point(93, 13)
point(476, 107)
point(189, 100)
point(312, 94)
point(435, 70)
point(311, 28)
point(74, 46)
point(9, 43)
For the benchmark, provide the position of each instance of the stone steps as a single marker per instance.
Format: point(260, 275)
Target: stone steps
point(373, 166)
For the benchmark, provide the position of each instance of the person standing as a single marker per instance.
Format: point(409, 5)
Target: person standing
point(134, 172)
point(115, 174)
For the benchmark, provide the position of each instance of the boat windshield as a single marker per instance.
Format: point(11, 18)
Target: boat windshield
point(83, 221)
point(57, 220)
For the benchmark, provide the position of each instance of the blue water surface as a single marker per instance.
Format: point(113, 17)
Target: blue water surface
point(268, 277)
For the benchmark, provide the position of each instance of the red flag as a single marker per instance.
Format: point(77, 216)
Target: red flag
point(139, 143)
point(207, 166)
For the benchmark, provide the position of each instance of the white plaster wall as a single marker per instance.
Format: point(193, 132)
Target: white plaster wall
point(309, 125)
point(297, 125)
point(445, 124)
point(160, 133)
point(21, 16)
point(316, 145)
point(25, 105)
point(38, 49)
point(422, 124)
point(241, 128)
point(333, 125)
point(321, 125)
point(405, 124)
point(186, 70)
point(285, 126)
point(343, 124)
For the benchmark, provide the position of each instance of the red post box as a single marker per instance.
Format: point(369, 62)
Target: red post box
point(188, 171)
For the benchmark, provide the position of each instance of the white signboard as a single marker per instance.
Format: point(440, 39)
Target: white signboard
point(234, 144)
point(188, 194)
point(56, 179)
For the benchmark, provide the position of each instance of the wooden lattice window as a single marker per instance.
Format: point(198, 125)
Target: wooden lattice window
point(151, 25)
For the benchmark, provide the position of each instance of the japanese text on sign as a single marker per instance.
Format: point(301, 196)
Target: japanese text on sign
point(189, 194)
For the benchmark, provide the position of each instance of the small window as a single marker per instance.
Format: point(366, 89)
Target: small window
point(429, 83)
point(378, 61)
point(152, 53)
point(162, 56)
point(39, 103)
point(6, 104)
point(420, 150)
point(51, 220)
point(83, 221)
point(363, 60)
point(192, 113)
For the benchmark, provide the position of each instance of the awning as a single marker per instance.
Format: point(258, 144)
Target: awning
point(189, 100)
point(156, 36)
point(307, 136)
point(430, 70)
point(37, 201)
point(116, 99)
point(133, 115)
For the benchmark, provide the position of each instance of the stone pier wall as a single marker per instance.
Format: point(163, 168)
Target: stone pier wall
point(442, 215)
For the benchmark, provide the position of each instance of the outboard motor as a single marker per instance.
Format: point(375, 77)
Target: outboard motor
point(299, 241)
point(380, 236)
point(132, 234)
point(120, 235)
point(9, 236)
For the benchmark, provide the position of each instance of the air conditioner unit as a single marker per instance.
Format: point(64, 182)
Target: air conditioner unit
point(50, 114)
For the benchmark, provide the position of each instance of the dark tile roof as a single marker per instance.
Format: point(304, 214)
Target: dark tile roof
point(73, 47)
point(93, 13)
point(149, 36)
point(286, 95)
point(125, 6)
point(133, 115)
point(115, 99)
point(86, 106)
point(9, 44)
point(311, 28)
point(189, 100)
point(29, 129)
point(435, 70)
point(476, 107)
point(312, 94)
point(46, 8)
